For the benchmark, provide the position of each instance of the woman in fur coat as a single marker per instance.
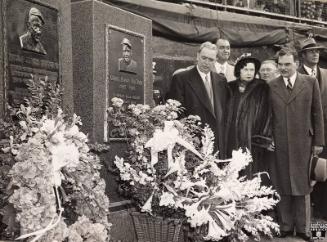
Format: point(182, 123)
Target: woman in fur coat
point(249, 112)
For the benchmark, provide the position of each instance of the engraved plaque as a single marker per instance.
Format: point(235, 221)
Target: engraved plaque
point(32, 46)
point(125, 70)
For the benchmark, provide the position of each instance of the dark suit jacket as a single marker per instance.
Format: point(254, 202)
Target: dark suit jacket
point(322, 80)
point(188, 88)
point(297, 126)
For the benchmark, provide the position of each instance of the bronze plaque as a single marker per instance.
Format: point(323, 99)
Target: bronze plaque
point(32, 46)
point(125, 70)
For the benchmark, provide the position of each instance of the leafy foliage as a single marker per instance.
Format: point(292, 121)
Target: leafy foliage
point(51, 173)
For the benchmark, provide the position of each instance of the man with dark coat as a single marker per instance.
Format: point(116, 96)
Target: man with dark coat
point(310, 53)
point(298, 130)
point(202, 92)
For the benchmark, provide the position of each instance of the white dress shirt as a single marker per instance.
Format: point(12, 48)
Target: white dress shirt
point(221, 68)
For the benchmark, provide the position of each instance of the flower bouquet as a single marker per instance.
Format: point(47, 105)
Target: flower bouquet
point(55, 191)
point(171, 171)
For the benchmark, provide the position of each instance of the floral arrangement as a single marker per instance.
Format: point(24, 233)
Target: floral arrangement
point(55, 191)
point(171, 170)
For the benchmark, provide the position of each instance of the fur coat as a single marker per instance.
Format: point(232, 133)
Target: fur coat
point(249, 123)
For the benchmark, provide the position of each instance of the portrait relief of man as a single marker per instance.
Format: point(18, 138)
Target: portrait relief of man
point(126, 63)
point(31, 39)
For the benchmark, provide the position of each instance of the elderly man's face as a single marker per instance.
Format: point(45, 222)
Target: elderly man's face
point(268, 71)
point(206, 59)
point(127, 53)
point(35, 26)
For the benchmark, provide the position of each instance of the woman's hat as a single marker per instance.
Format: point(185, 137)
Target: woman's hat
point(309, 44)
point(318, 169)
point(246, 58)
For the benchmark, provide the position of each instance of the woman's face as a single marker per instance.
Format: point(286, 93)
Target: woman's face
point(247, 72)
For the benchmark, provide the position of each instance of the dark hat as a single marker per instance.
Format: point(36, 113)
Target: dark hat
point(35, 12)
point(246, 58)
point(309, 44)
point(318, 169)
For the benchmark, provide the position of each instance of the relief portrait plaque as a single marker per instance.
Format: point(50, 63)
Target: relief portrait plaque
point(32, 47)
point(124, 72)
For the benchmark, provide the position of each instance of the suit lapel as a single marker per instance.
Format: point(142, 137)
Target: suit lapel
point(196, 82)
point(298, 87)
point(280, 89)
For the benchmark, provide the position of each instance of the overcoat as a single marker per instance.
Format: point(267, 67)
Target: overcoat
point(297, 126)
point(188, 88)
point(319, 194)
point(322, 80)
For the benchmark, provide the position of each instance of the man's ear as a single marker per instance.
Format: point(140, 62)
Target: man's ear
point(297, 63)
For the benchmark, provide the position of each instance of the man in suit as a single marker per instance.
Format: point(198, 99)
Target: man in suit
point(222, 66)
point(203, 92)
point(298, 132)
point(310, 53)
point(31, 40)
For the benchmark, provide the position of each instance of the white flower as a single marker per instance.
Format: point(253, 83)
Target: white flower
point(61, 156)
point(57, 138)
point(48, 126)
point(75, 133)
point(173, 102)
point(117, 102)
point(167, 199)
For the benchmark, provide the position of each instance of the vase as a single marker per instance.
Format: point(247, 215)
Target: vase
point(156, 229)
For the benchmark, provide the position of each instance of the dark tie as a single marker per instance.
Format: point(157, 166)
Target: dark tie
point(289, 85)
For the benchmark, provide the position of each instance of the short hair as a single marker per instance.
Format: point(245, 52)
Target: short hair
point(208, 45)
point(222, 39)
point(288, 51)
point(269, 61)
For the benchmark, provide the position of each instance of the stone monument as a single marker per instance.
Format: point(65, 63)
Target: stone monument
point(36, 41)
point(111, 58)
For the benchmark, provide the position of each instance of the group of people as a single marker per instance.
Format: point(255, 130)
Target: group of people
point(274, 108)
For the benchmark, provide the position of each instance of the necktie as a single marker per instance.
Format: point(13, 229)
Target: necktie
point(289, 85)
point(208, 88)
point(313, 72)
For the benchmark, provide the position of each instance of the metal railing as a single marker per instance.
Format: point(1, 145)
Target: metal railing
point(312, 12)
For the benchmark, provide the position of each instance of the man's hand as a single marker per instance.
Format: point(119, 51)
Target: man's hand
point(316, 150)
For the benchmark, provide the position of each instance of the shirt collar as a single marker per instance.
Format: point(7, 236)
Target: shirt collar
point(309, 69)
point(203, 75)
point(292, 79)
point(220, 66)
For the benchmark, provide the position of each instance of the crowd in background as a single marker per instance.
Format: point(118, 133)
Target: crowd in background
point(276, 108)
